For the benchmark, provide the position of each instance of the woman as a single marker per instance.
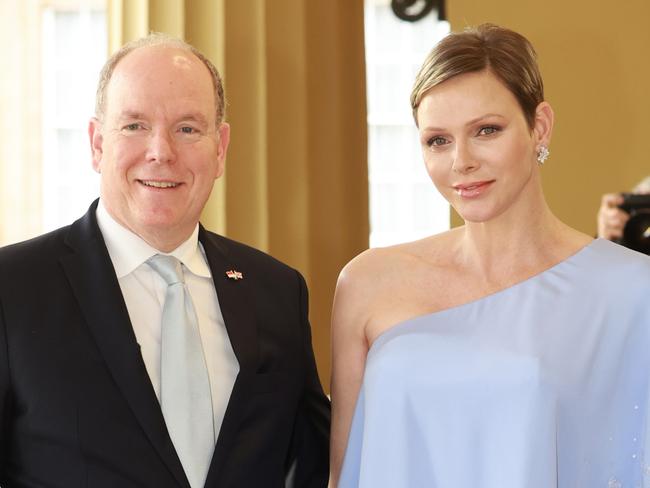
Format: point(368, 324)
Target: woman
point(513, 351)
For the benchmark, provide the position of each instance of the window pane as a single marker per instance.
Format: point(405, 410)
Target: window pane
point(404, 205)
point(74, 46)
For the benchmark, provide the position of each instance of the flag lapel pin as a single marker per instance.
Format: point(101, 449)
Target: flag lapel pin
point(234, 275)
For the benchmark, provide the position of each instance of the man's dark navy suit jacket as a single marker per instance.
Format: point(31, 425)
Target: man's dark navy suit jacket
point(77, 408)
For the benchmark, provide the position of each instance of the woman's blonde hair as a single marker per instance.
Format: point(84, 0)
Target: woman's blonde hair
point(505, 53)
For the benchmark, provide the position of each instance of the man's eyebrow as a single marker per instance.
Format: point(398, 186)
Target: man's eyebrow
point(195, 117)
point(188, 117)
point(131, 114)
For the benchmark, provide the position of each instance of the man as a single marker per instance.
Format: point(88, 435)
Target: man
point(138, 349)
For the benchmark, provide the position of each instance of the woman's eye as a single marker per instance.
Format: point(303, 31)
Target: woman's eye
point(437, 141)
point(486, 131)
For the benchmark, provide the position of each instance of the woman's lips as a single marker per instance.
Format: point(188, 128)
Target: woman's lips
point(473, 189)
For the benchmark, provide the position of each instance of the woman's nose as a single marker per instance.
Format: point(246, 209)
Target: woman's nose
point(464, 161)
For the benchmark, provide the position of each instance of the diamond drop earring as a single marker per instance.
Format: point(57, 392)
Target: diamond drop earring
point(542, 154)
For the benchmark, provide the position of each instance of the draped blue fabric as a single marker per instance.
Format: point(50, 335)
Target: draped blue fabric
point(543, 384)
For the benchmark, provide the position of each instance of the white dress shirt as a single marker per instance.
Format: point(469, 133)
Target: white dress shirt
point(144, 293)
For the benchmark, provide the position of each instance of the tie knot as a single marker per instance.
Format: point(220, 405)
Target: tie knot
point(168, 267)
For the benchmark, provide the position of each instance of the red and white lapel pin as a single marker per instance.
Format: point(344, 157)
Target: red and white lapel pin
point(234, 275)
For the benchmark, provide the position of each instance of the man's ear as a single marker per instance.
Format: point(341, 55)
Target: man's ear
point(96, 142)
point(223, 135)
point(543, 128)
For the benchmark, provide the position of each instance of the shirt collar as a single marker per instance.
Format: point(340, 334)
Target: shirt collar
point(128, 250)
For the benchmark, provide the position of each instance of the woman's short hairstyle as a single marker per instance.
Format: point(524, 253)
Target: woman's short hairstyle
point(157, 39)
point(506, 54)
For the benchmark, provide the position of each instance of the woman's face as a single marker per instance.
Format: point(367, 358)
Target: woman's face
point(478, 149)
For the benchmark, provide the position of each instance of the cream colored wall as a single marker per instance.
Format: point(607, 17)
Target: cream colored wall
point(595, 60)
point(20, 120)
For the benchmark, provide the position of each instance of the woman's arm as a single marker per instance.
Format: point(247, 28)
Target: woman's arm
point(350, 315)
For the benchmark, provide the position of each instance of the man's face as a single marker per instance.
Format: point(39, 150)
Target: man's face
point(158, 147)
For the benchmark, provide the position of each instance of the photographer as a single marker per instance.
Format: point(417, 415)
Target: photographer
point(611, 219)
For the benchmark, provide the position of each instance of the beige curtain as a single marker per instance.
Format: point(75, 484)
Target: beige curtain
point(20, 122)
point(296, 181)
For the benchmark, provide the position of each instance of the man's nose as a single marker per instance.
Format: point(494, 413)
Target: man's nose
point(464, 160)
point(161, 147)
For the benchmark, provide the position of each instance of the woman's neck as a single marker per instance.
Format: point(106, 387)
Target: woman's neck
point(518, 243)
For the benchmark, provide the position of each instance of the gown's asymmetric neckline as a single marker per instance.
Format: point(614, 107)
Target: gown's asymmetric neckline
point(405, 322)
point(543, 384)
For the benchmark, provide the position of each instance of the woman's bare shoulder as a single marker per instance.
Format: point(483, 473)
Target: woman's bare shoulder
point(377, 272)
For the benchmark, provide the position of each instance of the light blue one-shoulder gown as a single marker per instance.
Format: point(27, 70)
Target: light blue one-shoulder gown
point(543, 384)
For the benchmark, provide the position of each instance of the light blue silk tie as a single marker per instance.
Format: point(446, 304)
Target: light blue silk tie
point(185, 395)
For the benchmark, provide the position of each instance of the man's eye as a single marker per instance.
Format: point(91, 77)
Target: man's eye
point(188, 130)
point(133, 126)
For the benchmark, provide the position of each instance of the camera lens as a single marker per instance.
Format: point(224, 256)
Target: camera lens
point(636, 234)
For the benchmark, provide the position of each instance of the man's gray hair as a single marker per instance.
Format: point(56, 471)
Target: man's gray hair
point(157, 39)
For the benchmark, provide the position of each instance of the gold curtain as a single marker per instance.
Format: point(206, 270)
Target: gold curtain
point(296, 181)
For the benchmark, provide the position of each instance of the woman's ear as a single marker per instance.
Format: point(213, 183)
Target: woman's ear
point(543, 128)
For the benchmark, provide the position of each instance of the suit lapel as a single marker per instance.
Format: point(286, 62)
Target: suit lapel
point(93, 281)
point(235, 298)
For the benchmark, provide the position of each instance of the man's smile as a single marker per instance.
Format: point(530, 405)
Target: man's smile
point(159, 184)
